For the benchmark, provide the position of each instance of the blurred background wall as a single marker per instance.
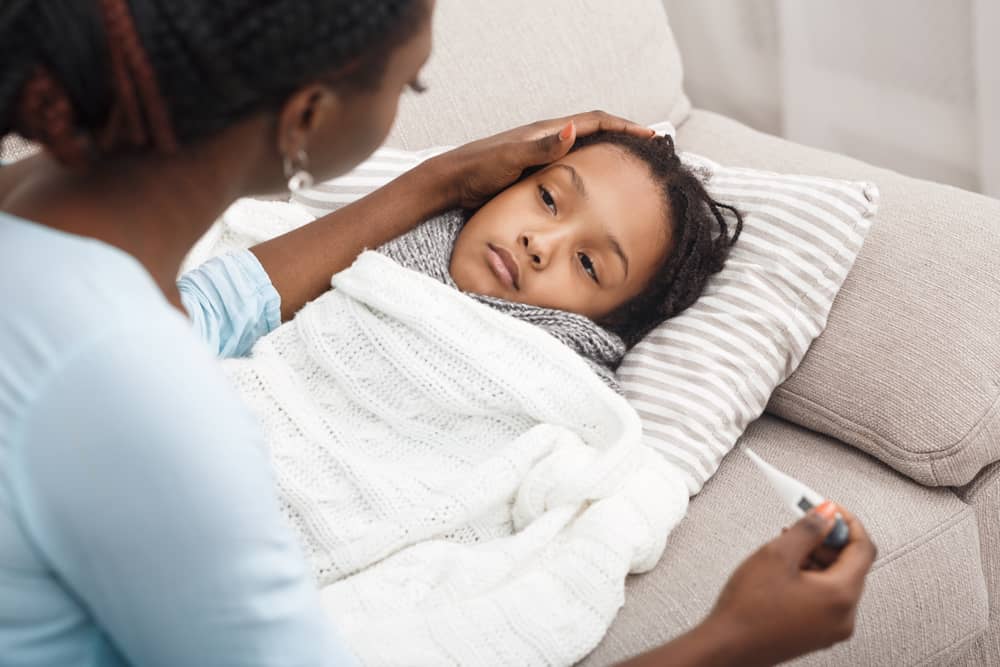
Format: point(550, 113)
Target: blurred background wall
point(912, 85)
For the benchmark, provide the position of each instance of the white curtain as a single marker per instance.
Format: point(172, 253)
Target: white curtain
point(912, 85)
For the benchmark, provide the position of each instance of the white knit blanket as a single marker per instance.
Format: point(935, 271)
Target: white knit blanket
point(467, 490)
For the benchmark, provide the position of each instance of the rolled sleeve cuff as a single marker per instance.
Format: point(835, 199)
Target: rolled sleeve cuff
point(231, 302)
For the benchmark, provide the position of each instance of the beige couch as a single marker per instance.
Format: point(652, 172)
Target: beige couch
point(895, 410)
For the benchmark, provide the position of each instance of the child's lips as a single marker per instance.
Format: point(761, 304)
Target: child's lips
point(503, 265)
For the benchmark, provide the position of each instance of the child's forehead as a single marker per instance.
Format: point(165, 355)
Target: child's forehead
point(607, 171)
point(609, 154)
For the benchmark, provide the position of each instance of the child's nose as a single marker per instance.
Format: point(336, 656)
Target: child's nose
point(537, 249)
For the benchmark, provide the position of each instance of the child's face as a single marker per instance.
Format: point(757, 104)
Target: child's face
point(584, 235)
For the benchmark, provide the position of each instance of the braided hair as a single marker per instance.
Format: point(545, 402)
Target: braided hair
point(89, 78)
point(697, 253)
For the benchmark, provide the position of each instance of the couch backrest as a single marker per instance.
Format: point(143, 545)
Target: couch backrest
point(501, 63)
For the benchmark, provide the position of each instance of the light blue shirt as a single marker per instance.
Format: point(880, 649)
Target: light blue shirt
point(138, 517)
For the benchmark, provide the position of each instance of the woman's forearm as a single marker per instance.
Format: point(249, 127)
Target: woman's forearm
point(712, 643)
point(301, 261)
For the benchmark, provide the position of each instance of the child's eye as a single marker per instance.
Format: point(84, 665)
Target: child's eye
point(547, 199)
point(588, 266)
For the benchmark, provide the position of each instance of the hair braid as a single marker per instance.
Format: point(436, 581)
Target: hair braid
point(138, 111)
point(45, 113)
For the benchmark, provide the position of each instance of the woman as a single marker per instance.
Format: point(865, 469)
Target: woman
point(139, 523)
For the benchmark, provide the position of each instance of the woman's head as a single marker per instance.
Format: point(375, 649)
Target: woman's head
point(618, 230)
point(97, 78)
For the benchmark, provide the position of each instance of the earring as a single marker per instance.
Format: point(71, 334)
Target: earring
point(296, 172)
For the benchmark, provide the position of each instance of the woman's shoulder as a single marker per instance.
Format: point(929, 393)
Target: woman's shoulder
point(52, 275)
point(75, 305)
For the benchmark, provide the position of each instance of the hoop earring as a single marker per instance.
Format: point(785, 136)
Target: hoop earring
point(296, 171)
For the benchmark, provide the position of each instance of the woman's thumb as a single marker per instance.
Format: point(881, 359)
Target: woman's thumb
point(804, 536)
point(550, 147)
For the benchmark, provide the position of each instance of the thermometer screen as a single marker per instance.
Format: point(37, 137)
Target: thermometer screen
point(805, 505)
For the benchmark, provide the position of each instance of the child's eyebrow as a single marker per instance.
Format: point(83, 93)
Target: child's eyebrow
point(575, 177)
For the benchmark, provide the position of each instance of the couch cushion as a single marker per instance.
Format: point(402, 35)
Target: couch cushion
point(496, 65)
point(908, 367)
point(983, 494)
point(929, 557)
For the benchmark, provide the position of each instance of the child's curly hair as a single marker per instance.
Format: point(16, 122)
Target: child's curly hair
point(697, 253)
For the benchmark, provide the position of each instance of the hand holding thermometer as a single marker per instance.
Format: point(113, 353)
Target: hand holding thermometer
point(800, 498)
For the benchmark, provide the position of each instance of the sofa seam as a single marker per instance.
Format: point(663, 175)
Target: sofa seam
point(969, 493)
point(971, 634)
point(965, 514)
point(891, 448)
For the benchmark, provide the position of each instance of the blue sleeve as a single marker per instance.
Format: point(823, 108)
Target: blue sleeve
point(152, 498)
point(231, 301)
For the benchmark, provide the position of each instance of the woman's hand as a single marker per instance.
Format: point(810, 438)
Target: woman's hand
point(480, 169)
point(781, 603)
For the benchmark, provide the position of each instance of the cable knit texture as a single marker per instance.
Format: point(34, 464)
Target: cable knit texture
point(467, 490)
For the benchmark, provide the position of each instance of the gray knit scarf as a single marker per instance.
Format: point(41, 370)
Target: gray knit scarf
point(427, 248)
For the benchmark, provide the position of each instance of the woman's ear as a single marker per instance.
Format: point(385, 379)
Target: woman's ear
point(308, 109)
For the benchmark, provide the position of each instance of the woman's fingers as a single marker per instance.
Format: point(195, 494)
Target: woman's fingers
point(549, 140)
point(855, 559)
point(597, 121)
point(585, 123)
point(480, 169)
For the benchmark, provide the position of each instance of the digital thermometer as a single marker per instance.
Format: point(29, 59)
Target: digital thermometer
point(800, 498)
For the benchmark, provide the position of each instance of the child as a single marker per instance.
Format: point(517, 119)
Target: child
point(436, 458)
point(597, 248)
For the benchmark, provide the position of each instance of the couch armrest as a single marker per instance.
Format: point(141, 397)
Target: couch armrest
point(908, 367)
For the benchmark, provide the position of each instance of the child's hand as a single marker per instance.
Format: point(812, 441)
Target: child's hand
point(480, 169)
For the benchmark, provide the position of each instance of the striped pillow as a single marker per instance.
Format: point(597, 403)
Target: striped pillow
point(700, 378)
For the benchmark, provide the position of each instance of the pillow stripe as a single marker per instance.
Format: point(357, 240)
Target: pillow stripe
point(757, 333)
point(694, 467)
point(808, 230)
point(751, 298)
point(652, 380)
point(864, 194)
point(770, 248)
point(691, 472)
point(740, 350)
point(797, 283)
point(690, 397)
point(804, 228)
point(662, 417)
point(724, 361)
point(752, 190)
point(651, 367)
point(660, 354)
